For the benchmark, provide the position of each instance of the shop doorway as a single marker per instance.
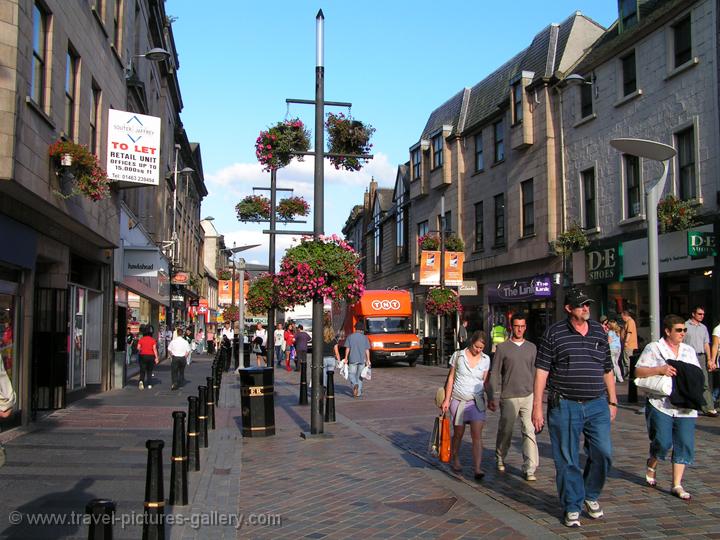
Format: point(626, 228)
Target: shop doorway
point(50, 349)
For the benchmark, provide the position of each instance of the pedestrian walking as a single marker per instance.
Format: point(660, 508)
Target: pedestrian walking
point(148, 357)
point(714, 349)
point(462, 335)
point(180, 351)
point(698, 338)
point(260, 339)
point(200, 341)
point(465, 399)
point(190, 338)
point(331, 351)
point(357, 355)
point(131, 346)
point(669, 426)
point(613, 333)
point(289, 344)
point(629, 339)
point(302, 339)
point(279, 340)
point(573, 361)
point(511, 388)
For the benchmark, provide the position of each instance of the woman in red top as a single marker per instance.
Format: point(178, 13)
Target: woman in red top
point(289, 344)
point(147, 351)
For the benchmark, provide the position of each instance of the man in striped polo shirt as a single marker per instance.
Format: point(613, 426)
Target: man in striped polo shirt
point(573, 360)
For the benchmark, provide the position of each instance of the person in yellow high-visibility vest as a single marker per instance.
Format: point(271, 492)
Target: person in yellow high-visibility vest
point(498, 334)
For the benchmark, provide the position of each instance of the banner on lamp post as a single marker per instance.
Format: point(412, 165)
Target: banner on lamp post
point(133, 156)
point(430, 268)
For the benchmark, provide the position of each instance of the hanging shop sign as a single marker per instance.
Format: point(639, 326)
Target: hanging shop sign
point(141, 262)
point(178, 298)
point(133, 156)
point(603, 263)
point(430, 268)
point(701, 244)
point(180, 278)
point(468, 288)
point(521, 290)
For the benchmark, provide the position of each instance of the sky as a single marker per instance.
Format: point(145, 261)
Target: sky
point(395, 61)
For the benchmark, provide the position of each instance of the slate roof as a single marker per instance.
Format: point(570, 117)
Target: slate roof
point(446, 114)
point(385, 197)
point(613, 42)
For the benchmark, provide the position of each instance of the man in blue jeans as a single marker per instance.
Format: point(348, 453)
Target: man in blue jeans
point(573, 360)
point(357, 355)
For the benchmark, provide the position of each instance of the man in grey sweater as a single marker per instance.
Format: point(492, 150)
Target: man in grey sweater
point(511, 387)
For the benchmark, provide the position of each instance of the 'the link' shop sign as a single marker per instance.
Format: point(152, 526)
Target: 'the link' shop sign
point(604, 263)
point(701, 244)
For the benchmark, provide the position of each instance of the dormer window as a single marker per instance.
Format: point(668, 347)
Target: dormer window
point(628, 14)
point(416, 158)
point(437, 146)
point(517, 102)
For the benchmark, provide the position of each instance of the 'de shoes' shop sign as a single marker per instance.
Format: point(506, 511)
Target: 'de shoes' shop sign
point(133, 155)
point(604, 263)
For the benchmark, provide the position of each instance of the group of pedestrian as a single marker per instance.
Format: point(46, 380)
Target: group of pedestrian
point(578, 361)
point(291, 345)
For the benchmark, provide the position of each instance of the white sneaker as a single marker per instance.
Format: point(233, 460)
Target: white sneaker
point(593, 509)
point(572, 519)
point(149, 386)
point(141, 386)
point(500, 465)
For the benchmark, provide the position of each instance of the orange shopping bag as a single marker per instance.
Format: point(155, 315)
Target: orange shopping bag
point(445, 439)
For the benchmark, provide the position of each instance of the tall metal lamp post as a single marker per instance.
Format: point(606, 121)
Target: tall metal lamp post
point(662, 153)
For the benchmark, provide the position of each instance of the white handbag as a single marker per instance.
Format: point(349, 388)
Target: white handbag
point(657, 385)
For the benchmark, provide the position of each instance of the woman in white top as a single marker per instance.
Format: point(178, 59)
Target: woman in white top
point(668, 426)
point(469, 369)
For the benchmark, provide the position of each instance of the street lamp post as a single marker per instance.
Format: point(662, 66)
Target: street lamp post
point(174, 238)
point(662, 153)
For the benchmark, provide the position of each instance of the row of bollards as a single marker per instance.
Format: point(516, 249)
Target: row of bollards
point(329, 407)
point(185, 457)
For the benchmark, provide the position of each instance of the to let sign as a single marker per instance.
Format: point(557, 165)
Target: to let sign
point(604, 263)
point(133, 155)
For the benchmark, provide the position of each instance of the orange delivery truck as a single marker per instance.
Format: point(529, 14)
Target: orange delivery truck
point(387, 322)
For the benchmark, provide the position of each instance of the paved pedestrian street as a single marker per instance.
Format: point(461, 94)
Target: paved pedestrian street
point(369, 476)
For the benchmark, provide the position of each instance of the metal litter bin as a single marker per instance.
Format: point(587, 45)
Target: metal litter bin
point(257, 401)
point(430, 357)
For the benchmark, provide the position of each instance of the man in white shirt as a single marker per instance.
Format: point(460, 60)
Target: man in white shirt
point(179, 349)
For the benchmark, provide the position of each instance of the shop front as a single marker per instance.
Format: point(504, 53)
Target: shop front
point(532, 296)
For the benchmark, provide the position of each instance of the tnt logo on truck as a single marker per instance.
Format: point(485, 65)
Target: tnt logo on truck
point(386, 305)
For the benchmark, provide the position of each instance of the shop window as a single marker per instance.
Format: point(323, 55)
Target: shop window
point(7, 336)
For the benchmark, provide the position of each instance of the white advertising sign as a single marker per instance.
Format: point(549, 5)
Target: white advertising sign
point(133, 155)
point(141, 262)
point(673, 254)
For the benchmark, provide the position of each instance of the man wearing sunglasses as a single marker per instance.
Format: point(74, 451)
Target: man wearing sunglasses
point(698, 338)
point(574, 361)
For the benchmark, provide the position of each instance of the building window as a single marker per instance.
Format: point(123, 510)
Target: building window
point(685, 144)
point(499, 141)
point(479, 230)
point(117, 25)
point(94, 117)
point(586, 100)
point(682, 41)
point(40, 29)
point(437, 144)
point(517, 101)
point(632, 184)
point(416, 161)
point(588, 185)
point(479, 157)
point(528, 207)
point(71, 77)
point(629, 79)
point(628, 14)
point(422, 229)
point(99, 8)
point(377, 243)
point(401, 225)
point(500, 220)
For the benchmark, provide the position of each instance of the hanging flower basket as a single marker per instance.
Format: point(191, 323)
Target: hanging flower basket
point(573, 239)
point(431, 242)
point(262, 295)
point(231, 313)
point(327, 268)
point(253, 208)
point(675, 214)
point(442, 301)
point(347, 137)
point(225, 275)
point(88, 178)
point(288, 209)
point(276, 147)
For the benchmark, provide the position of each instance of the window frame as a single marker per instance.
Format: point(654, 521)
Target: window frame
point(624, 81)
point(402, 215)
point(499, 220)
point(479, 153)
point(479, 226)
point(678, 56)
point(38, 75)
point(585, 92)
point(633, 191)
point(629, 19)
point(72, 74)
point(117, 24)
point(517, 103)
point(589, 201)
point(437, 151)
point(416, 163)
point(690, 165)
point(527, 200)
point(95, 112)
point(499, 141)
point(377, 239)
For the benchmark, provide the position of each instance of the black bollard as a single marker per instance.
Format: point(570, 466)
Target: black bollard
point(178, 464)
point(102, 512)
point(330, 398)
point(303, 384)
point(154, 516)
point(202, 417)
point(193, 446)
point(216, 385)
point(210, 403)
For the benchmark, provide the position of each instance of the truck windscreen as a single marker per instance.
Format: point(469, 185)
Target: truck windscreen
point(387, 325)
